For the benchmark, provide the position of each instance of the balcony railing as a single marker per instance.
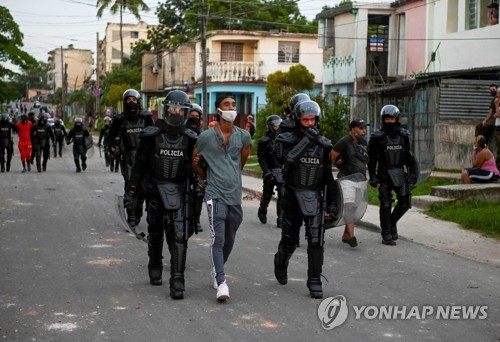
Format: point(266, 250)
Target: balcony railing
point(233, 71)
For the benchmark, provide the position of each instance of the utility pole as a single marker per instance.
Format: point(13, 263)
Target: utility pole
point(63, 92)
point(97, 92)
point(204, 63)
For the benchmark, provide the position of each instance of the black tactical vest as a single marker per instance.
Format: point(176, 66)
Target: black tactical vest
point(5, 134)
point(79, 138)
point(40, 135)
point(58, 132)
point(394, 151)
point(171, 158)
point(307, 173)
point(131, 132)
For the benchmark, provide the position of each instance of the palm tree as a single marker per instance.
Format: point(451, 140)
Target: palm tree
point(134, 6)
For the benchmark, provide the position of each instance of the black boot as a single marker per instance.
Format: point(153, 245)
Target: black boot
point(262, 214)
point(281, 259)
point(3, 167)
point(385, 224)
point(155, 265)
point(315, 267)
point(178, 253)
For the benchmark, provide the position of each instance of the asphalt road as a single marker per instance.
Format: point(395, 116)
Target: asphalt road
point(70, 272)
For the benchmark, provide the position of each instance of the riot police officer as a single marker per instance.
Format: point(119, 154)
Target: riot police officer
point(289, 123)
point(271, 169)
point(60, 135)
point(78, 136)
point(40, 135)
point(389, 168)
point(305, 155)
point(6, 142)
point(194, 124)
point(108, 156)
point(128, 126)
point(163, 170)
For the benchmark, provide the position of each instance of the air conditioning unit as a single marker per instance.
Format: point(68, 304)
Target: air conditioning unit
point(155, 69)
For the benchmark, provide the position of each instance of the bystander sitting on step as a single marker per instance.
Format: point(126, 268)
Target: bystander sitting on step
point(484, 169)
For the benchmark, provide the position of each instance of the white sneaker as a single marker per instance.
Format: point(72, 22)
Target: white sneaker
point(214, 281)
point(222, 292)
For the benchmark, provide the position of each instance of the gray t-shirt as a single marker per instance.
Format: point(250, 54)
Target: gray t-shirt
point(224, 164)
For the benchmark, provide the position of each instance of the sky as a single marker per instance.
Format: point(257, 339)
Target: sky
point(50, 24)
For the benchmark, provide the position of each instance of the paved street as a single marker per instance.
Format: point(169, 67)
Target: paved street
point(72, 273)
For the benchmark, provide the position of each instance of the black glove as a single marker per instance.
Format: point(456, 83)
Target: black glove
point(374, 182)
point(412, 184)
point(311, 132)
point(268, 176)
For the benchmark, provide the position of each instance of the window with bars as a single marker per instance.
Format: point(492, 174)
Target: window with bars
point(231, 52)
point(288, 52)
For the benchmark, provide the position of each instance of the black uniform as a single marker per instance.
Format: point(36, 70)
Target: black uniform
point(307, 171)
point(197, 188)
point(271, 174)
point(389, 167)
point(78, 135)
point(163, 170)
point(108, 156)
point(60, 134)
point(6, 143)
point(127, 128)
point(40, 135)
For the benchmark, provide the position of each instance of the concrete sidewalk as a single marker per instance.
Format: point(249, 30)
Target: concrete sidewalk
point(420, 228)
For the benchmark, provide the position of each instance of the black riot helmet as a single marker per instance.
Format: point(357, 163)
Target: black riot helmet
point(273, 123)
point(307, 108)
point(176, 107)
point(389, 111)
point(131, 107)
point(294, 100)
point(196, 107)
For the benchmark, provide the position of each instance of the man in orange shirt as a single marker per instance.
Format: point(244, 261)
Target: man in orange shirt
point(23, 129)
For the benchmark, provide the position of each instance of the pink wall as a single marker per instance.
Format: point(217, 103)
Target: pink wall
point(415, 13)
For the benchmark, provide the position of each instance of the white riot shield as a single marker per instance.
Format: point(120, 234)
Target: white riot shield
point(350, 198)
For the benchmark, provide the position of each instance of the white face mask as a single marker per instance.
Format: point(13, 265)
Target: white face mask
point(228, 115)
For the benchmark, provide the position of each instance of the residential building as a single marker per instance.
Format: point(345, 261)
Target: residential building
point(110, 45)
point(165, 70)
point(440, 62)
point(75, 64)
point(238, 62)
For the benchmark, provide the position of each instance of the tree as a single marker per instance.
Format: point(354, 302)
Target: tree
point(281, 86)
point(134, 6)
point(11, 42)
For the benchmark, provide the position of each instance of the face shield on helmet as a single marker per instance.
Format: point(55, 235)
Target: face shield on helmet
point(131, 101)
point(391, 112)
point(176, 108)
point(307, 108)
point(78, 123)
point(296, 99)
point(273, 123)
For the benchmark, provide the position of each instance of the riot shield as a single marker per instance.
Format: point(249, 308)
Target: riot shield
point(348, 200)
